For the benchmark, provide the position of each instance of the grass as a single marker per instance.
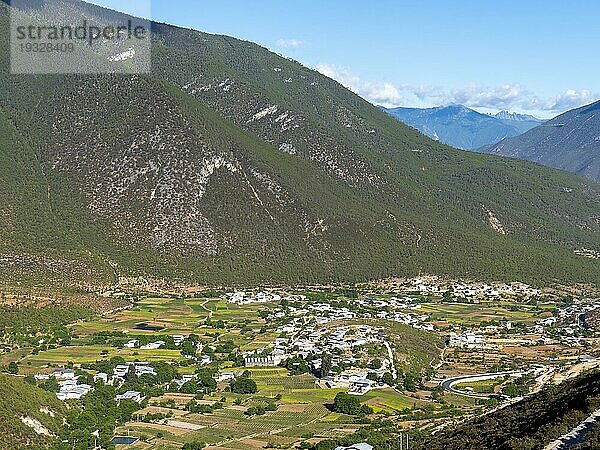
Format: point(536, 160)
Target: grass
point(475, 313)
point(181, 316)
point(315, 395)
point(390, 400)
point(481, 387)
point(91, 353)
point(20, 399)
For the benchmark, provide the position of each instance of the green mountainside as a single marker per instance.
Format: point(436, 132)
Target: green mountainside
point(31, 417)
point(231, 164)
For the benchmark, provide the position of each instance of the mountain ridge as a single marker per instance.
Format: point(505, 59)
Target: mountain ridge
point(570, 141)
point(235, 165)
point(462, 127)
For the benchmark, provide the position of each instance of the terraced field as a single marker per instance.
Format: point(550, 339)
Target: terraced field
point(471, 313)
point(91, 353)
point(231, 428)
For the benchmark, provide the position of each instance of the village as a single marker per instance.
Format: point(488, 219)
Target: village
point(413, 349)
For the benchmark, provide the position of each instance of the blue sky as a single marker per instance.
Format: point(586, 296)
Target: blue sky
point(533, 56)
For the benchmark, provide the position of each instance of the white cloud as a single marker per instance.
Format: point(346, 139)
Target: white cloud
point(341, 75)
point(383, 93)
point(289, 43)
point(386, 94)
point(573, 99)
point(513, 97)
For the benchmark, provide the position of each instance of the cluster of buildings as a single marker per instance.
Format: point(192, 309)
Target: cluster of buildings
point(68, 385)
point(393, 303)
point(359, 446)
point(244, 298)
point(355, 380)
point(135, 343)
point(432, 285)
point(305, 340)
point(141, 368)
point(314, 313)
point(467, 340)
point(309, 331)
point(71, 389)
point(418, 321)
point(130, 395)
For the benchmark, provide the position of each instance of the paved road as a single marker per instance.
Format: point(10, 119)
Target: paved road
point(449, 383)
point(391, 356)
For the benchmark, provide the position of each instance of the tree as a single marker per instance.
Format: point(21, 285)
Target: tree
point(13, 368)
point(256, 411)
point(50, 385)
point(326, 445)
point(326, 364)
point(244, 385)
point(410, 382)
point(164, 372)
point(191, 387)
point(372, 376)
point(296, 366)
point(195, 445)
point(188, 348)
point(438, 393)
point(206, 380)
point(376, 364)
point(131, 376)
point(350, 404)
point(388, 379)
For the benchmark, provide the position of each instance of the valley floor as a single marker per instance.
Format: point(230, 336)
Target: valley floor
point(256, 369)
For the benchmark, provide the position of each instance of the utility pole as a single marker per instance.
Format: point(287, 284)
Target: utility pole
point(404, 446)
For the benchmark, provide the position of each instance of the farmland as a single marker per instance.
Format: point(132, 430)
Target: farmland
point(266, 368)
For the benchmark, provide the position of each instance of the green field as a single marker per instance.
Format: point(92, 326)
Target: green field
point(91, 353)
point(485, 311)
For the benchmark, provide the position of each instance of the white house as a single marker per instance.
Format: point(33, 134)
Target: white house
point(69, 390)
point(225, 376)
point(141, 368)
point(101, 376)
point(361, 387)
point(262, 361)
point(360, 446)
point(153, 345)
point(133, 343)
point(130, 395)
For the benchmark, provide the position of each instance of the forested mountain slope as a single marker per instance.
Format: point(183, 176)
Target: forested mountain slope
point(570, 142)
point(230, 164)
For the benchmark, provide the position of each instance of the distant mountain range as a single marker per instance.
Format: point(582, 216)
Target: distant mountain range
point(463, 127)
point(570, 141)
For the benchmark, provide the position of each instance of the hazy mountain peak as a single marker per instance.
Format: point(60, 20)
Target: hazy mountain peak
point(507, 115)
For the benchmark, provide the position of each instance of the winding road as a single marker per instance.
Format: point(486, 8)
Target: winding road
point(449, 383)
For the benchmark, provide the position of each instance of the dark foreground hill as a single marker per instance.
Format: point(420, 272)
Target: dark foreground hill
point(531, 423)
point(570, 142)
point(230, 164)
point(534, 422)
